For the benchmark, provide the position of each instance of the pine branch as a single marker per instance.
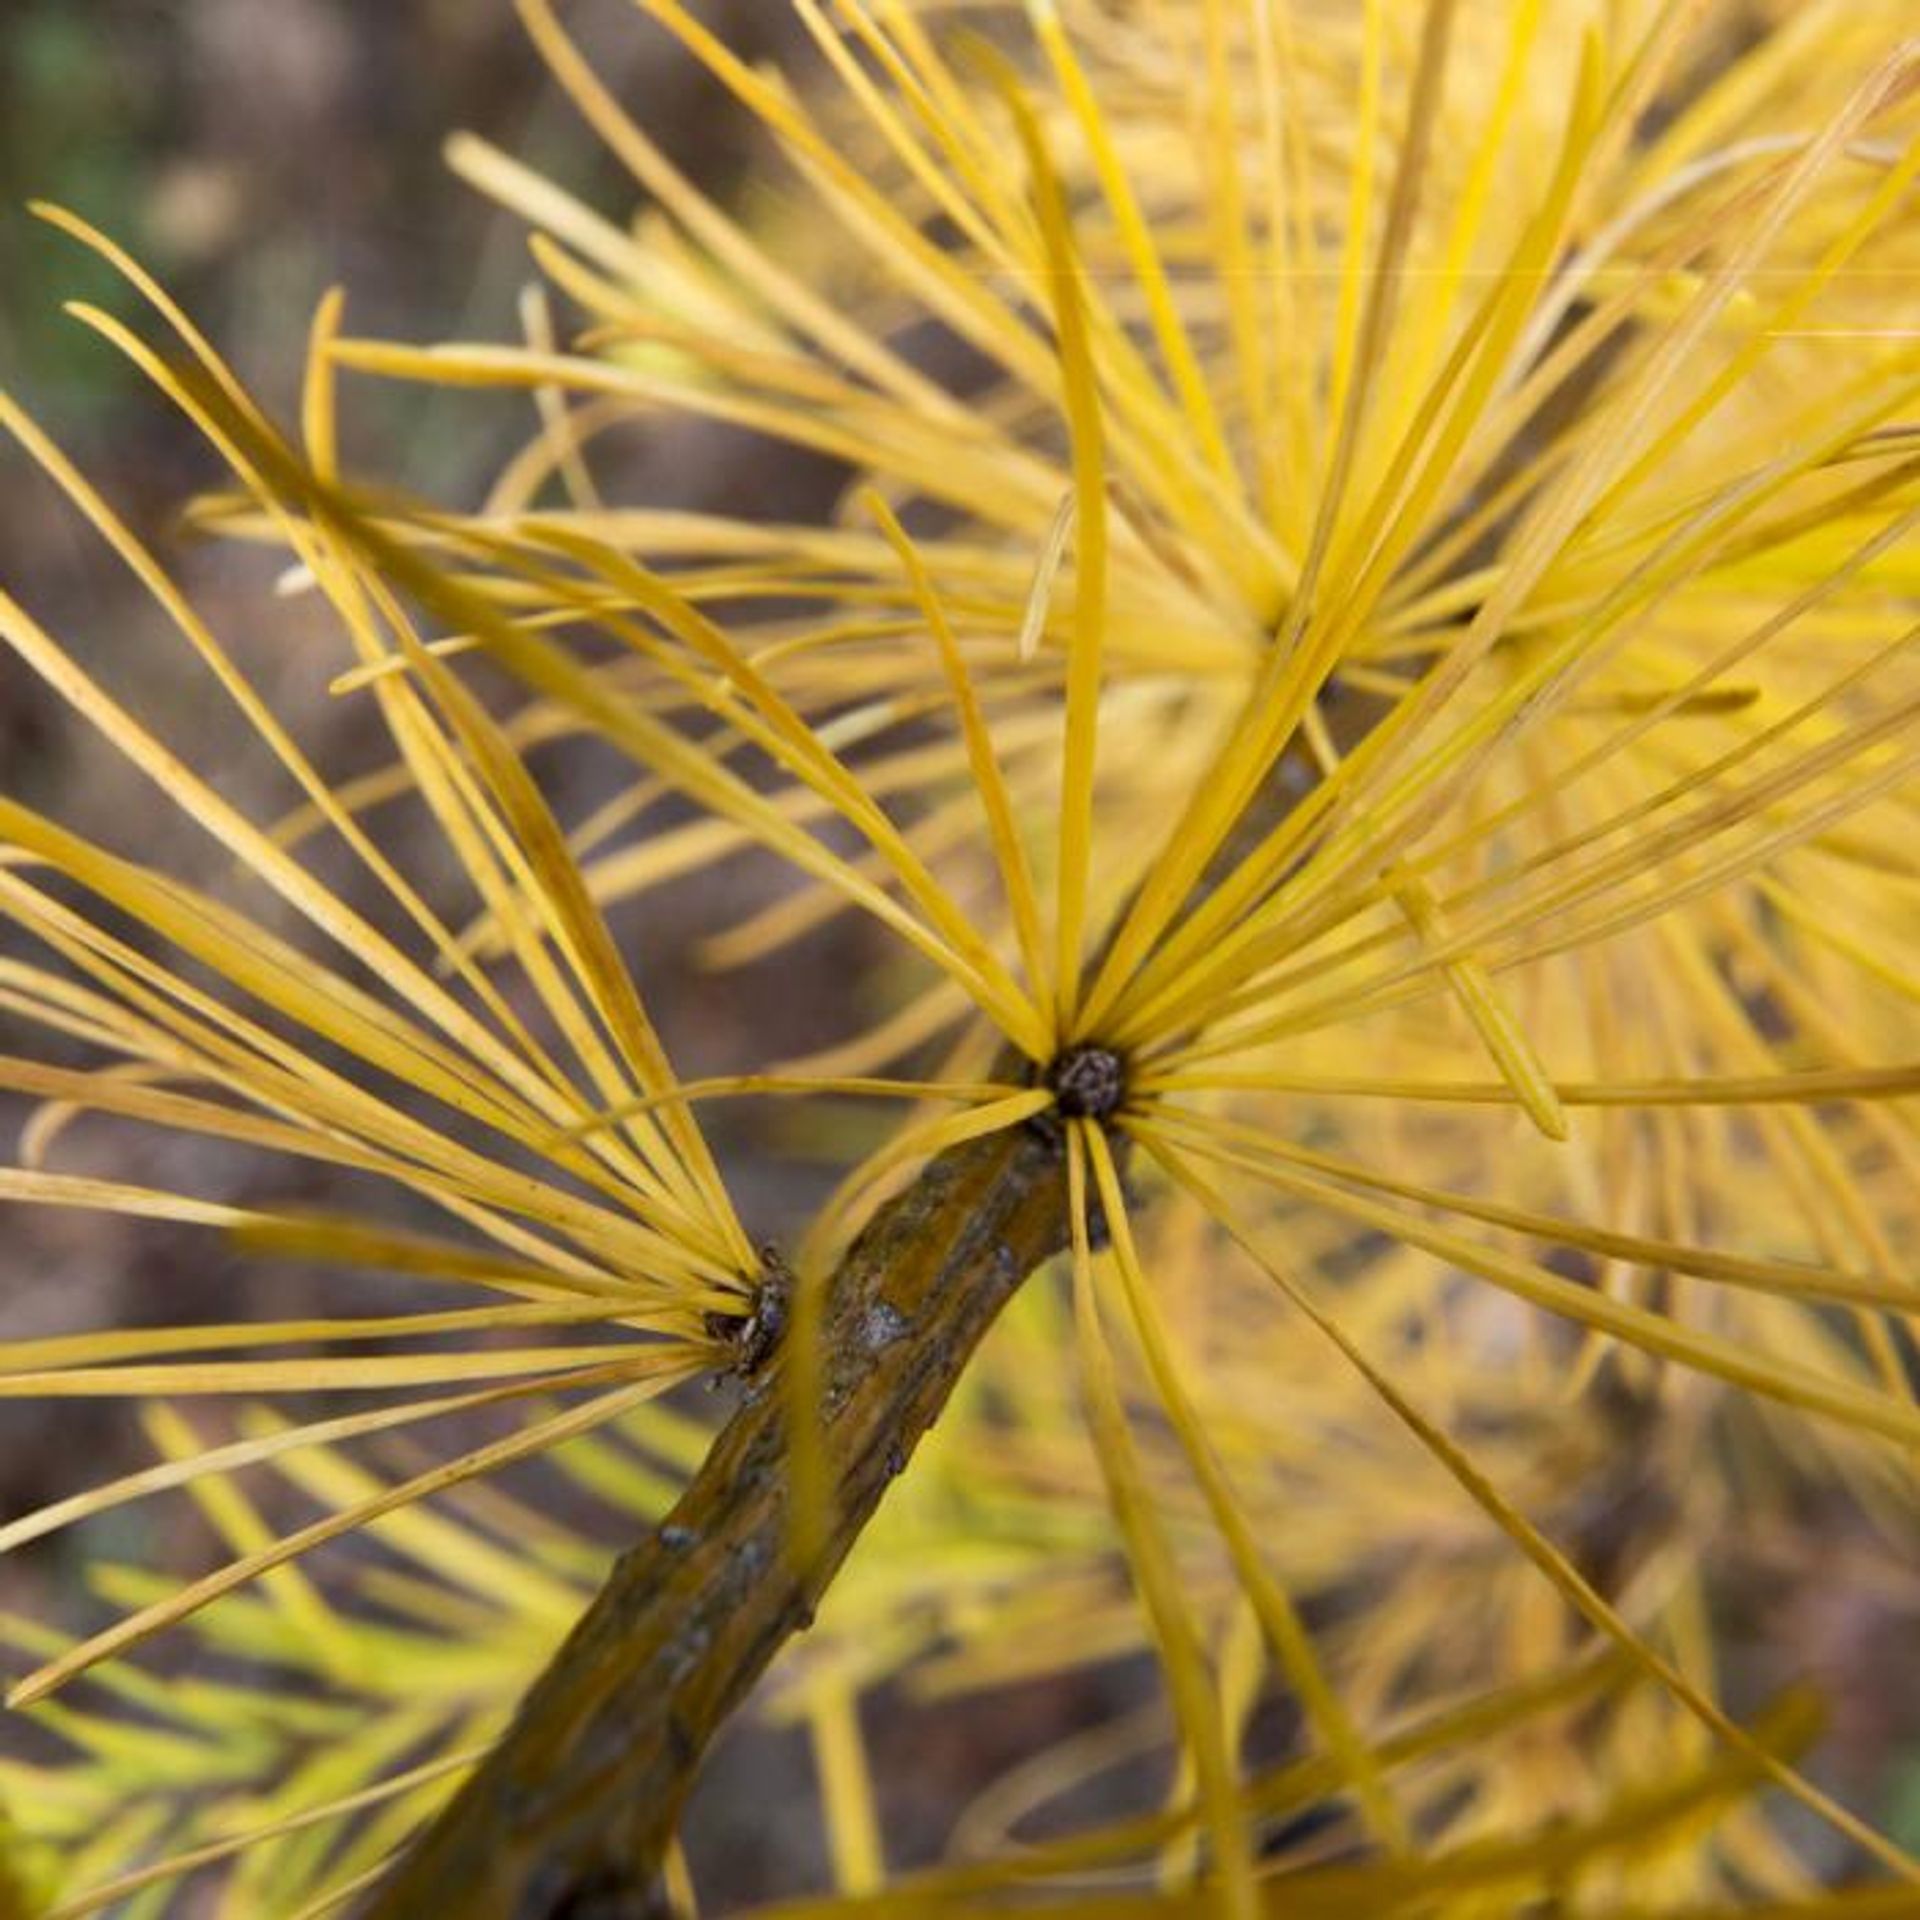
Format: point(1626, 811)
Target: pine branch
point(571, 1813)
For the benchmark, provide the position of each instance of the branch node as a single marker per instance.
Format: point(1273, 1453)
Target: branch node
point(754, 1336)
point(1088, 1081)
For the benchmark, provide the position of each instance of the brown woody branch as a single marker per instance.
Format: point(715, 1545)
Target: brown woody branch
point(569, 1816)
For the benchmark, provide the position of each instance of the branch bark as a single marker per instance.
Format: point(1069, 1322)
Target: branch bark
point(568, 1818)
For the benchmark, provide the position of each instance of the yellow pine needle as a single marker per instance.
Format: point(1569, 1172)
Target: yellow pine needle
point(354, 1243)
point(701, 843)
point(1794, 1140)
point(967, 194)
point(240, 837)
point(949, 826)
point(989, 214)
point(1088, 633)
point(688, 1179)
point(1814, 1087)
point(348, 929)
point(1224, 195)
point(1492, 1018)
point(287, 878)
point(845, 795)
point(942, 279)
point(1717, 803)
point(1744, 858)
point(1577, 489)
point(1807, 284)
point(914, 58)
point(118, 1344)
point(373, 1373)
point(1501, 1867)
point(343, 1890)
point(49, 1122)
point(1550, 904)
point(1602, 874)
point(1019, 495)
point(1631, 701)
point(1819, 925)
point(1046, 570)
point(114, 1196)
point(1612, 747)
point(1016, 877)
point(1242, 1662)
point(676, 1884)
point(130, 270)
point(295, 985)
point(1357, 227)
point(1157, 1580)
point(688, 1175)
point(1460, 422)
point(419, 1158)
point(992, 1817)
point(1419, 345)
point(730, 1086)
point(846, 1785)
point(1275, 1611)
point(536, 322)
point(319, 391)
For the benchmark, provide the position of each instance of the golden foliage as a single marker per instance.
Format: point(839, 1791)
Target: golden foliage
point(1408, 638)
